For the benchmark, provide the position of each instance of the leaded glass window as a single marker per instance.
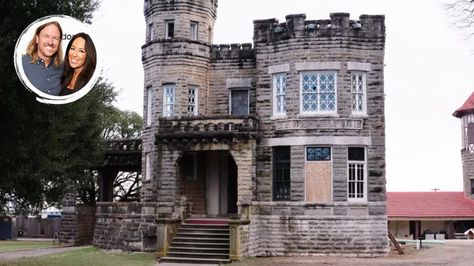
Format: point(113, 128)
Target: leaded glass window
point(318, 92)
point(192, 101)
point(281, 173)
point(356, 169)
point(358, 91)
point(169, 98)
point(279, 91)
point(318, 153)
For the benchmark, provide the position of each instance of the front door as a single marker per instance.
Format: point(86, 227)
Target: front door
point(221, 185)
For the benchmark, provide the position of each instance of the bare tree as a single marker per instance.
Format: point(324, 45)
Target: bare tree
point(127, 186)
point(462, 12)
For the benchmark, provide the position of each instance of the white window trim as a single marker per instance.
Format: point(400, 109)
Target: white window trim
point(302, 112)
point(165, 100)
point(149, 106)
point(230, 99)
point(277, 114)
point(364, 107)
point(364, 198)
point(196, 99)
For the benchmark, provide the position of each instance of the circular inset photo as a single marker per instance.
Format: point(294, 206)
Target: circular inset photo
point(55, 57)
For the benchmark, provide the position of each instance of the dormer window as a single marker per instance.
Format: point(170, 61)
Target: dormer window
point(169, 29)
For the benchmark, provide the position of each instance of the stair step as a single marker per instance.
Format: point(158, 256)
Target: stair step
point(201, 249)
point(226, 229)
point(203, 239)
point(206, 225)
point(199, 244)
point(192, 234)
point(194, 260)
point(197, 255)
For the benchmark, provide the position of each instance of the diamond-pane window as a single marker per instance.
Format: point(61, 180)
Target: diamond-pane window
point(192, 101)
point(318, 92)
point(318, 153)
point(169, 98)
point(279, 92)
point(358, 91)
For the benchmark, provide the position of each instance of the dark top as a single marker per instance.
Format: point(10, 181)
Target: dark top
point(66, 91)
point(45, 78)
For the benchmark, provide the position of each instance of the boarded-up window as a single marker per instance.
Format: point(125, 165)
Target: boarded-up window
point(318, 174)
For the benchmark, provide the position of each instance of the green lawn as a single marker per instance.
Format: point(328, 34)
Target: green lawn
point(23, 245)
point(90, 256)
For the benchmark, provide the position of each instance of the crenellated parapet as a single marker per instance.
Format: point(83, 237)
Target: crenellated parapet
point(232, 51)
point(197, 6)
point(339, 25)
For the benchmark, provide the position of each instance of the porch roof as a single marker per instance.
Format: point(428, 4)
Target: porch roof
point(453, 205)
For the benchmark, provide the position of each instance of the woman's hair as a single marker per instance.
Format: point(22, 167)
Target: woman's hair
point(89, 65)
point(33, 46)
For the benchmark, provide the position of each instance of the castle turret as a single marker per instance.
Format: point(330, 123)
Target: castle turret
point(466, 114)
point(176, 59)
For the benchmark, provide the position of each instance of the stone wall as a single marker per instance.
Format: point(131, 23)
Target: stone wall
point(77, 225)
point(288, 229)
point(128, 226)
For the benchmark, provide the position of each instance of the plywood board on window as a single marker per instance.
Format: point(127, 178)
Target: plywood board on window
point(318, 185)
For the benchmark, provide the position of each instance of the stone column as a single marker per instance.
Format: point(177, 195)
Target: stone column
point(165, 231)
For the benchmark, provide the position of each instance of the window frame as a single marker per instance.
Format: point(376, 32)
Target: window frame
point(149, 107)
point(287, 169)
point(364, 185)
point(277, 96)
point(364, 93)
point(165, 100)
point(148, 168)
point(248, 99)
point(192, 159)
point(318, 112)
point(194, 31)
point(151, 32)
point(168, 23)
point(195, 105)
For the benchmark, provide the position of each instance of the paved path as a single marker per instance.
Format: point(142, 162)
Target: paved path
point(9, 255)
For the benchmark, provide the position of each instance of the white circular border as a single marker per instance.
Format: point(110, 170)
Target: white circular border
point(69, 26)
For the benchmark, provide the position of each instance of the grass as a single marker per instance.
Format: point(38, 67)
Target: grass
point(23, 245)
point(89, 256)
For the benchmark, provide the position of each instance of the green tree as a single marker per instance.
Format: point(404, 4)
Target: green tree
point(44, 148)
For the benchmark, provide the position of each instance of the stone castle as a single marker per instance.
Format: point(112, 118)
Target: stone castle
point(284, 139)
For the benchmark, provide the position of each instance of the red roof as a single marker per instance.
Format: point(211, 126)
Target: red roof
point(429, 205)
point(466, 107)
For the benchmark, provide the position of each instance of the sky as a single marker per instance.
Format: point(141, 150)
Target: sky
point(428, 73)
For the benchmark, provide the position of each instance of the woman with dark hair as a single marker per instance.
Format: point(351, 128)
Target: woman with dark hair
point(79, 63)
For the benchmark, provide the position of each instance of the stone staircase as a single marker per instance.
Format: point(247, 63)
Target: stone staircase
point(200, 240)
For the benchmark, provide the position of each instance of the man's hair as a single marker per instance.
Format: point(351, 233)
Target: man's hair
point(32, 47)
